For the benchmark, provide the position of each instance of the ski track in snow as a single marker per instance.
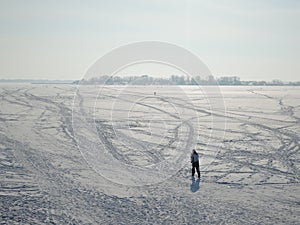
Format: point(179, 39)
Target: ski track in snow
point(254, 178)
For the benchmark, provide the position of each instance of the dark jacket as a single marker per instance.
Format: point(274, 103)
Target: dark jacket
point(194, 157)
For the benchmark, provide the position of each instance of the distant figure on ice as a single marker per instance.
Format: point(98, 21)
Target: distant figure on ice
point(195, 163)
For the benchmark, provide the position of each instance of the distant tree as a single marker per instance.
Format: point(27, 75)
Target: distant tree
point(277, 82)
point(196, 80)
point(181, 80)
point(211, 80)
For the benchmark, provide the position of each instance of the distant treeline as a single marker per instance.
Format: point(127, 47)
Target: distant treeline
point(33, 81)
point(148, 80)
point(180, 80)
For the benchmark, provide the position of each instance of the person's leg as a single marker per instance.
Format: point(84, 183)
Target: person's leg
point(198, 170)
point(193, 169)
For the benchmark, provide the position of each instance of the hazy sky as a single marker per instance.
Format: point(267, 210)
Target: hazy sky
point(60, 39)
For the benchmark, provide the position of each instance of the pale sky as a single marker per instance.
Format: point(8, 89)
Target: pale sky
point(255, 40)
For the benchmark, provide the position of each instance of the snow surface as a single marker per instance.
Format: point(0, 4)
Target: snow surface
point(120, 155)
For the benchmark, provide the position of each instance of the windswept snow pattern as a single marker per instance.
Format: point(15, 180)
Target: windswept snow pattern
point(249, 155)
point(137, 138)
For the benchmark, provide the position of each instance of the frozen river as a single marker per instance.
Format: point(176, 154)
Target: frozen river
point(120, 154)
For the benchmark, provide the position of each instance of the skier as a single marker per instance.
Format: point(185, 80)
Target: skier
point(195, 163)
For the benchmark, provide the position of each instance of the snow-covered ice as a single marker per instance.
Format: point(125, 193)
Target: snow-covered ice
point(120, 155)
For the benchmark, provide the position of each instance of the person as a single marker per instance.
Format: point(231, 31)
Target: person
point(195, 163)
